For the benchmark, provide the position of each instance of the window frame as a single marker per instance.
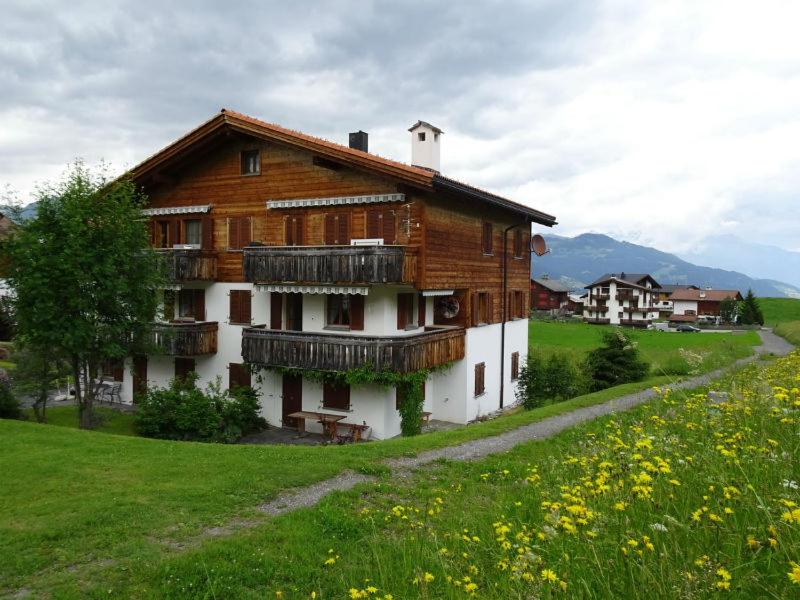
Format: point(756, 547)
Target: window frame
point(514, 366)
point(480, 379)
point(487, 238)
point(243, 162)
point(238, 309)
point(338, 392)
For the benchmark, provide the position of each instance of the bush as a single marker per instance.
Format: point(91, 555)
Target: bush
point(184, 412)
point(617, 361)
point(553, 379)
point(9, 405)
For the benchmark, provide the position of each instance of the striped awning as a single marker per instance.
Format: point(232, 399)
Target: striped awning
point(312, 289)
point(335, 201)
point(176, 210)
point(429, 293)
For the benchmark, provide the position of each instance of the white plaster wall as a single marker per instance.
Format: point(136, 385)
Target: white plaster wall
point(426, 153)
point(681, 306)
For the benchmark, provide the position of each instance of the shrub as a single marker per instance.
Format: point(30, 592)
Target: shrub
point(617, 361)
point(184, 412)
point(9, 405)
point(553, 379)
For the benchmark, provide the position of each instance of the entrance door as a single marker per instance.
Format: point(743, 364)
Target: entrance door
point(139, 376)
point(294, 312)
point(292, 398)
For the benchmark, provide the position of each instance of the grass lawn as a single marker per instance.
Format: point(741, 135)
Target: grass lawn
point(635, 505)
point(779, 310)
point(110, 421)
point(790, 330)
point(661, 349)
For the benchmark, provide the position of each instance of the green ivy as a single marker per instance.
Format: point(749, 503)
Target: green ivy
point(411, 385)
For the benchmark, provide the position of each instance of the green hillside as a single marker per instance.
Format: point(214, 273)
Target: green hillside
point(779, 310)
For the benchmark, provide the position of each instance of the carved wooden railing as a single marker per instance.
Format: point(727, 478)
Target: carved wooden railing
point(330, 264)
point(340, 352)
point(186, 339)
point(189, 265)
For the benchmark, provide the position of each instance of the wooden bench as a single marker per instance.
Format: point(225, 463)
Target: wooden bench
point(355, 432)
point(328, 421)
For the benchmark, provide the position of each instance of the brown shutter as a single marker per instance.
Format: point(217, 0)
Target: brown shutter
point(233, 233)
point(245, 231)
point(389, 227)
point(288, 227)
point(489, 308)
point(238, 376)
point(183, 366)
point(330, 229)
point(515, 365)
point(245, 306)
point(208, 233)
point(151, 232)
point(357, 312)
point(235, 308)
point(299, 230)
point(402, 310)
point(118, 369)
point(421, 310)
point(276, 310)
point(374, 224)
point(334, 396)
point(476, 318)
point(199, 304)
point(343, 229)
point(175, 234)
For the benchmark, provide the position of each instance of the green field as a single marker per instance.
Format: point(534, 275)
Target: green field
point(661, 349)
point(109, 420)
point(779, 310)
point(790, 330)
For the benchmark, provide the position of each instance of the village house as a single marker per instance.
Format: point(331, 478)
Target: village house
point(663, 300)
point(622, 299)
point(548, 294)
point(698, 305)
point(287, 251)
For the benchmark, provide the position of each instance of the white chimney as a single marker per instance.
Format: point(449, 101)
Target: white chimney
point(425, 145)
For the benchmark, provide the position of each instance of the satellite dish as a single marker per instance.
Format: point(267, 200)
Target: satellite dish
point(448, 306)
point(538, 245)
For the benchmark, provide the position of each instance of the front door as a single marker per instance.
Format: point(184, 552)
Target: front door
point(292, 398)
point(139, 376)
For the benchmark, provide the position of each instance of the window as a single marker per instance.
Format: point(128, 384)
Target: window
point(337, 229)
point(518, 304)
point(238, 376)
point(381, 224)
point(487, 238)
point(169, 305)
point(480, 372)
point(240, 307)
point(239, 232)
point(192, 232)
point(113, 369)
point(183, 366)
point(421, 136)
point(514, 365)
point(192, 304)
point(345, 311)
point(517, 243)
point(161, 230)
point(251, 162)
point(405, 311)
point(335, 396)
point(294, 231)
point(481, 308)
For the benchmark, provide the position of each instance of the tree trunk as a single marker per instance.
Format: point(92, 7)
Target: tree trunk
point(85, 420)
point(39, 406)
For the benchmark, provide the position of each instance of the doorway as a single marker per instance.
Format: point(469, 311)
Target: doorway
point(292, 399)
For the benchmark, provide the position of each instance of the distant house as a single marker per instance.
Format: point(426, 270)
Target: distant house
point(622, 299)
point(548, 294)
point(663, 300)
point(694, 304)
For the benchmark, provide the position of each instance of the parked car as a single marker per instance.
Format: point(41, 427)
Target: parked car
point(687, 328)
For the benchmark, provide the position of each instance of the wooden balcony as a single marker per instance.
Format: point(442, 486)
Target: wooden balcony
point(341, 352)
point(601, 296)
point(597, 308)
point(598, 321)
point(330, 264)
point(186, 339)
point(189, 265)
point(634, 322)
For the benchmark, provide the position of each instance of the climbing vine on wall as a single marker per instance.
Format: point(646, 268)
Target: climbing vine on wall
point(409, 386)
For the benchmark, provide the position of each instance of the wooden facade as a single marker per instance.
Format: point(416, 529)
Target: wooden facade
point(186, 339)
point(341, 352)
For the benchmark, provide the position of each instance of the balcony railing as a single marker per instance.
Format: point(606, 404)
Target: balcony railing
point(189, 265)
point(597, 308)
point(339, 352)
point(635, 322)
point(598, 321)
point(330, 264)
point(186, 339)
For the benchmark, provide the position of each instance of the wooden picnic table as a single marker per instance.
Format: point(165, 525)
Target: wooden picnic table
point(328, 421)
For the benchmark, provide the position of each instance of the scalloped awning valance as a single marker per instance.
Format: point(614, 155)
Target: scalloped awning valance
point(177, 210)
point(312, 289)
point(335, 201)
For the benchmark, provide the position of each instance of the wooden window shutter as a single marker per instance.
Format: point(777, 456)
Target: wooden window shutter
point(515, 365)
point(476, 317)
point(402, 310)
point(234, 314)
point(389, 227)
point(357, 312)
point(487, 238)
point(199, 304)
point(330, 229)
point(299, 230)
point(183, 366)
point(151, 232)
point(245, 231)
point(118, 370)
point(489, 308)
point(420, 310)
point(480, 370)
point(374, 224)
point(517, 243)
point(275, 310)
point(233, 233)
point(245, 306)
point(175, 233)
point(208, 233)
point(238, 376)
point(343, 229)
point(288, 232)
point(336, 396)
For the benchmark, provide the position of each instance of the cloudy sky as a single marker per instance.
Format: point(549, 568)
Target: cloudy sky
point(657, 122)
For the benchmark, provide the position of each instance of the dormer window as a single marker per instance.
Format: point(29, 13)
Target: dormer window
point(251, 162)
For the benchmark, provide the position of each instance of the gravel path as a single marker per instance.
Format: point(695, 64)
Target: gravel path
point(475, 449)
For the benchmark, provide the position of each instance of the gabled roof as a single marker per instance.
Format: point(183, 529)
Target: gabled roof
point(554, 285)
point(706, 295)
point(636, 280)
point(425, 124)
point(672, 287)
point(683, 318)
point(228, 120)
